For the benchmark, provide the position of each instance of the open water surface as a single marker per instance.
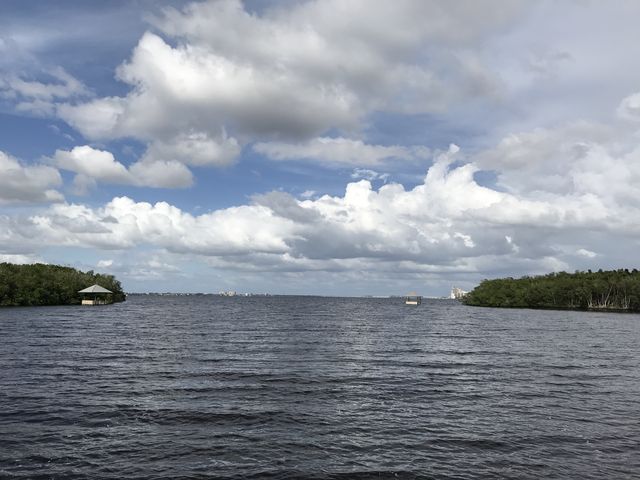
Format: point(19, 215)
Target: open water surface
point(305, 387)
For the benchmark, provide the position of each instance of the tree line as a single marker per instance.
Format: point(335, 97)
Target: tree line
point(40, 284)
point(602, 290)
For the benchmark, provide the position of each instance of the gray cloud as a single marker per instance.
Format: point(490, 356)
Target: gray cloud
point(340, 152)
point(292, 74)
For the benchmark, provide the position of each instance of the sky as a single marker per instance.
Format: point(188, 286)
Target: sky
point(332, 147)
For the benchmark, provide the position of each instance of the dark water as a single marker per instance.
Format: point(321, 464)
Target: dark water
point(290, 387)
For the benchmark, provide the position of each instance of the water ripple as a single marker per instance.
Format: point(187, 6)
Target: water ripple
point(316, 388)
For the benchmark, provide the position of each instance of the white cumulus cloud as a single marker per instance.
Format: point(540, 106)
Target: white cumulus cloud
point(97, 164)
point(93, 165)
point(28, 184)
point(448, 223)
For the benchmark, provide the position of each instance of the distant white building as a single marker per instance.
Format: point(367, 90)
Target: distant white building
point(457, 293)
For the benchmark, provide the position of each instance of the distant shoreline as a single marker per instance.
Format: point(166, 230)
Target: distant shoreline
point(613, 291)
point(36, 285)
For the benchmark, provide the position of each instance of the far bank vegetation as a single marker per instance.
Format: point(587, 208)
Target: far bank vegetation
point(613, 290)
point(40, 284)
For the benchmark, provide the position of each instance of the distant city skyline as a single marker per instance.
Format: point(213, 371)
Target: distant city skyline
point(332, 147)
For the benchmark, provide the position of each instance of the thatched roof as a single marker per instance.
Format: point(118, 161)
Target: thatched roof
point(95, 289)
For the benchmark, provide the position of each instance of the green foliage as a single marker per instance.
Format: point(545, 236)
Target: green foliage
point(601, 290)
point(39, 284)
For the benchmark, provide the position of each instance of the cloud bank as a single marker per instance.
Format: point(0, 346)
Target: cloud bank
point(447, 223)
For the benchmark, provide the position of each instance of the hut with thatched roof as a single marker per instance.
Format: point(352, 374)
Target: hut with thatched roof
point(96, 295)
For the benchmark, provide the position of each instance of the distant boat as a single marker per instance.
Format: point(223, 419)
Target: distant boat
point(413, 299)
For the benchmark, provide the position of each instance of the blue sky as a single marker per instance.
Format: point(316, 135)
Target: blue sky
point(340, 147)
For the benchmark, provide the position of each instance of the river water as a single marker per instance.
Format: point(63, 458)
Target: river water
point(323, 388)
